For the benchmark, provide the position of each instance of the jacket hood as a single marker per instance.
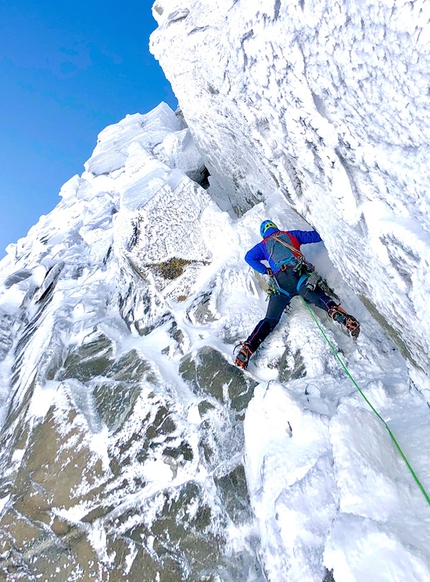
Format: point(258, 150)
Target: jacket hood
point(267, 228)
point(270, 231)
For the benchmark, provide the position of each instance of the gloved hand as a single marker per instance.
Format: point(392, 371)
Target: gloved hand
point(269, 272)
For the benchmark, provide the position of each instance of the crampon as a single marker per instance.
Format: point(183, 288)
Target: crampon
point(341, 316)
point(243, 355)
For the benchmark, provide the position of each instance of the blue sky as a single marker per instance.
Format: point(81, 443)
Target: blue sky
point(68, 68)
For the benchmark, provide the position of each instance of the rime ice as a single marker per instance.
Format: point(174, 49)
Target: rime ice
point(130, 443)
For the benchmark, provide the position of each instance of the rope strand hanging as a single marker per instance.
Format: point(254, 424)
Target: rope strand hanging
point(393, 438)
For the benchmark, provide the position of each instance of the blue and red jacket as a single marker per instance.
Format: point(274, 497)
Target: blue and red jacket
point(276, 257)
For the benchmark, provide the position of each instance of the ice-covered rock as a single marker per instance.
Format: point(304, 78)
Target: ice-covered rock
point(327, 103)
point(114, 460)
point(131, 447)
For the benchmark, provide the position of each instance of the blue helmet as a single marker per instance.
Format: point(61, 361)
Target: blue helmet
point(267, 228)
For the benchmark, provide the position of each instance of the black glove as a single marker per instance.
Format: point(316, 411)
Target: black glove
point(269, 272)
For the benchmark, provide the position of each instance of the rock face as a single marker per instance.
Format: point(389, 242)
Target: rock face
point(327, 103)
point(122, 434)
point(131, 447)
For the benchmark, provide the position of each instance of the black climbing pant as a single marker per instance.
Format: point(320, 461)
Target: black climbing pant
point(291, 285)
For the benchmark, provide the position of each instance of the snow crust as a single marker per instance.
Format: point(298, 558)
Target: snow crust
point(326, 103)
point(116, 344)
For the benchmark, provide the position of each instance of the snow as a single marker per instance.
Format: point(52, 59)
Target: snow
point(291, 483)
point(121, 308)
point(320, 485)
point(325, 103)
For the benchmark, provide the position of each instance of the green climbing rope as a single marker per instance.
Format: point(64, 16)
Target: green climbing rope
point(347, 372)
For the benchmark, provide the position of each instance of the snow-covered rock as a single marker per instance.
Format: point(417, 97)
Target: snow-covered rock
point(130, 443)
point(327, 103)
point(131, 446)
point(118, 445)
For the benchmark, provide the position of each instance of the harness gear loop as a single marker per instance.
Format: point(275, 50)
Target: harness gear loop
point(272, 288)
point(278, 289)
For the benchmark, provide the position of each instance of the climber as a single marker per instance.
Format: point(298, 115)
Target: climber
point(291, 275)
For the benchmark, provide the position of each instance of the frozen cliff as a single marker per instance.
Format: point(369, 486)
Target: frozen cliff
point(131, 448)
point(327, 103)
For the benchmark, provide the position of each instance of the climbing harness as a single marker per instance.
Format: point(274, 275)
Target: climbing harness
point(393, 438)
point(312, 281)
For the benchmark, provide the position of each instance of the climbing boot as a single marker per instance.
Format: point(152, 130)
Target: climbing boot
point(341, 316)
point(352, 326)
point(243, 356)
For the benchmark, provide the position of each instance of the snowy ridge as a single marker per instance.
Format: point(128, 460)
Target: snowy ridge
point(130, 443)
point(326, 103)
